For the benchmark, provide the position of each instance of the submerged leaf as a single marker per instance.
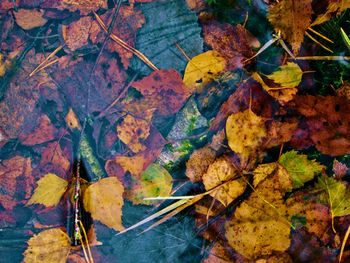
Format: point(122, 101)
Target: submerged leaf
point(299, 168)
point(154, 181)
point(198, 163)
point(288, 75)
point(219, 172)
point(49, 190)
point(29, 18)
point(49, 246)
point(245, 131)
point(203, 68)
point(104, 200)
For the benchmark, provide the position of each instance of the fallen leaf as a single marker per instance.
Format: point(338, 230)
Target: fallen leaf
point(5, 64)
point(334, 6)
point(218, 254)
point(49, 190)
point(49, 246)
point(16, 181)
point(234, 43)
point(288, 75)
point(260, 225)
point(219, 172)
point(292, 18)
point(133, 131)
point(280, 132)
point(202, 69)
point(337, 195)
point(76, 34)
point(29, 18)
point(84, 6)
point(104, 200)
point(245, 131)
point(299, 168)
point(340, 169)
point(198, 163)
point(263, 171)
point(163, 90)
point(154, 181)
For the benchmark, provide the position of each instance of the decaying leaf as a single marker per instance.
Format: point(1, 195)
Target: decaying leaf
point(291, 18)
point(49, 190)
point(132, 131)
point(49, 246)
point(198, 163)
point(104, 200)
point(245, 131)
point(340, 169)
point(219, 172)
point(202, 69)
point(334, 6)
point(84, 6)
point(263, 171)
point(337, 195)
point(154, 181)
point(280, 132)
point(29, 18)
point(260, 225)
point(299, 168)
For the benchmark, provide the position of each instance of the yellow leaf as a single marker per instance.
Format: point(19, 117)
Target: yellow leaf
point(263, 171)
point(5, 64)
point(49, 246)
point(245, 131)
point(154, 181)
point(49, 190)
point(288, 75)
point(202, 69)
point(218, 173)
point(104, 200)
point(333, 6)
point(291, 18)
point(260, 224)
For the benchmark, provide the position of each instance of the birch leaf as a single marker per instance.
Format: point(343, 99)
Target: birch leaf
point(49, 190)
point(288, 75)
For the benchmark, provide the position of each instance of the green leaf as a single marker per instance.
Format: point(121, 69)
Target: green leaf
point(288, 75)
point(338, 196)
point(299, 168)
point(345, 38)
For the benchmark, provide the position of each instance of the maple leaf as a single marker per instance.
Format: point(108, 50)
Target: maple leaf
point(155, 181)
point(104, 200)
point(202, 69)
point(49, 190)
point(49, 246)
point(245, 131)
point(338, 195)
point(219, 172)
point(299, 168)
point(29, 18)
point(198, 163)
point(260, 225)
point(292, 18)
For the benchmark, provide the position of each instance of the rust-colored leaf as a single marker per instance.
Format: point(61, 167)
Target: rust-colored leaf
point(29, 18)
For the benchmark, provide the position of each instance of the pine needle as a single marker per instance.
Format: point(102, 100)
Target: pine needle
point(343, 244)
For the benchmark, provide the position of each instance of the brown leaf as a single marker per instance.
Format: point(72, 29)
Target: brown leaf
point(84, 6)
point(104, 200)
point(280, 132)
point(292, 18)
point(16, 181)
point(198, 163)
point(163, 90)
point(29, 18)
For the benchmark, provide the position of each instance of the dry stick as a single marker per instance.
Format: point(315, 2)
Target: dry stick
point(125, 45)
point(323, 58)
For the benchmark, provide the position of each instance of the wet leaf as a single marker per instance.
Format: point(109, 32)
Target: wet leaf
point(292, 18)
point(338, 195)
point(340, 169)
point(219, 172)
point(84, 6)
point(245, 131)
point(104, 200)
point(334, 6)
point(154, 181)
point(29, 18)
point(202, 69)
point(299, 168)
point(49, 246)
point(288, 75)
point(260, 224)
point(133, 131)
point(198, 163)
point(49, 190)
point(16, 181)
